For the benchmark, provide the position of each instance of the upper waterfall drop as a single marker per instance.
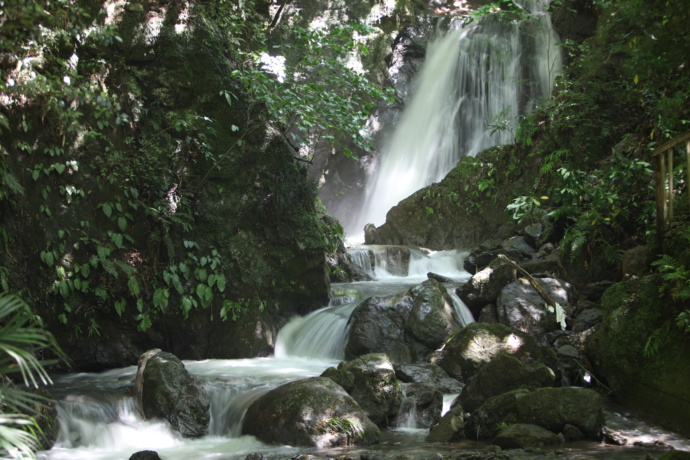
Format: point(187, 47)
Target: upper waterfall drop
point(472, 75)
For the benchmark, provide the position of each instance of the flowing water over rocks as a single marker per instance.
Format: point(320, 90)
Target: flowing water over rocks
point(99, 420)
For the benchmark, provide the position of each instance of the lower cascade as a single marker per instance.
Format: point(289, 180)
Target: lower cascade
point(99, 419)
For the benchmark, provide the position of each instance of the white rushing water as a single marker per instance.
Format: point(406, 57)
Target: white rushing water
point(486, 73)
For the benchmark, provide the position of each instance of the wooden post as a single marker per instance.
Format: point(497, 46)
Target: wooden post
point(687, 170)
point(662, 184)
point(669, 172)
point(659, 181)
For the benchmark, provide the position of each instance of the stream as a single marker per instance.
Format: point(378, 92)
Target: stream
point(99, 420)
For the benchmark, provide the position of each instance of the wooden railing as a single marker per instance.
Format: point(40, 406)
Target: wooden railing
point(663, 176)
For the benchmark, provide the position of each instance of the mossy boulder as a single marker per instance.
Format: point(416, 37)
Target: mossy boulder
point(479, 343)
point(523, 435)
point(314, 412)
point(371, 381)
point(639, 353)
point(169, 391)
point(554, 408)
point(485, 422)
point(450, 427)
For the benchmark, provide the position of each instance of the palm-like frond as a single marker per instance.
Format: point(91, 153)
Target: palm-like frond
point(20, 340)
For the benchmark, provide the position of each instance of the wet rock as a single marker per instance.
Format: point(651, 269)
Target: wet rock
point(429, 374)
point(169, 391)
point(522, 309)
point(370, 380)
point(522, 435)
point(675, 455)
point(255, 456)
point(485, 286)
point(310, 412)
point(145, 455)
point(519, 244)
point(450, 428)
point(502, 374)
point(488, 315)
point(594, 291)
point(424, 401)
point(439, 278)
point(478, 344)
point(485, 253)
point(553, 408)
point(407, 327)
point(588, 318)
point(636, 260)
point(572, 433)
point(614, 437)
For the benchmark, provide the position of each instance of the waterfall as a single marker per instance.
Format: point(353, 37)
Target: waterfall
point(486, 73)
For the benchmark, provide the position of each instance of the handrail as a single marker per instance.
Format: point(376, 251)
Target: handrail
point(663, 176)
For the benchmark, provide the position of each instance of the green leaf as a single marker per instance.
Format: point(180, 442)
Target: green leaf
point(202, 274)
point(134, 287)
point(160, 298)
point(122, 223)
point(64, 289)
point(220, 281)
point(120, 307)
point(107, 209)
point(59, 167)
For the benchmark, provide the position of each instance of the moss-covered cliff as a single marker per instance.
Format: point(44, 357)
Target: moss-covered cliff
point(145, 196)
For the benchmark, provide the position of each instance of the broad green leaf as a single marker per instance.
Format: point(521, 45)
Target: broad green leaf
point(107, 209)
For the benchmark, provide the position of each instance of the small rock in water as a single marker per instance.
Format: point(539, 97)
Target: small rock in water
point(654, 444)
point(439, 278)
point(614, 437)
point(255, 456)
point(145, 455)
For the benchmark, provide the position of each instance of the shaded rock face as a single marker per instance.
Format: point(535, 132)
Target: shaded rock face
point(370, 380)
point(169, 391)
point(450, 427)
point(407, 327)
point(559, 410)
point(522, 309)
point(554, 408)
point(478, 344)
point(462, 217)
point(522, 435)
point(504, 373)
point(310, 412)
point(484, 422)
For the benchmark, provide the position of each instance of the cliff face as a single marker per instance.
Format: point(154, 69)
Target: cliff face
point(145, 197)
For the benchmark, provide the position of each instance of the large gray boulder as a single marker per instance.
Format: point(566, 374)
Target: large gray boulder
point(169, 391)
point(313, 412)
point(479, 343)
point(522, 435)
point(504, 373)
point(407, 327)
point(485, 286)
point(371, 381)
point(522, 309)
